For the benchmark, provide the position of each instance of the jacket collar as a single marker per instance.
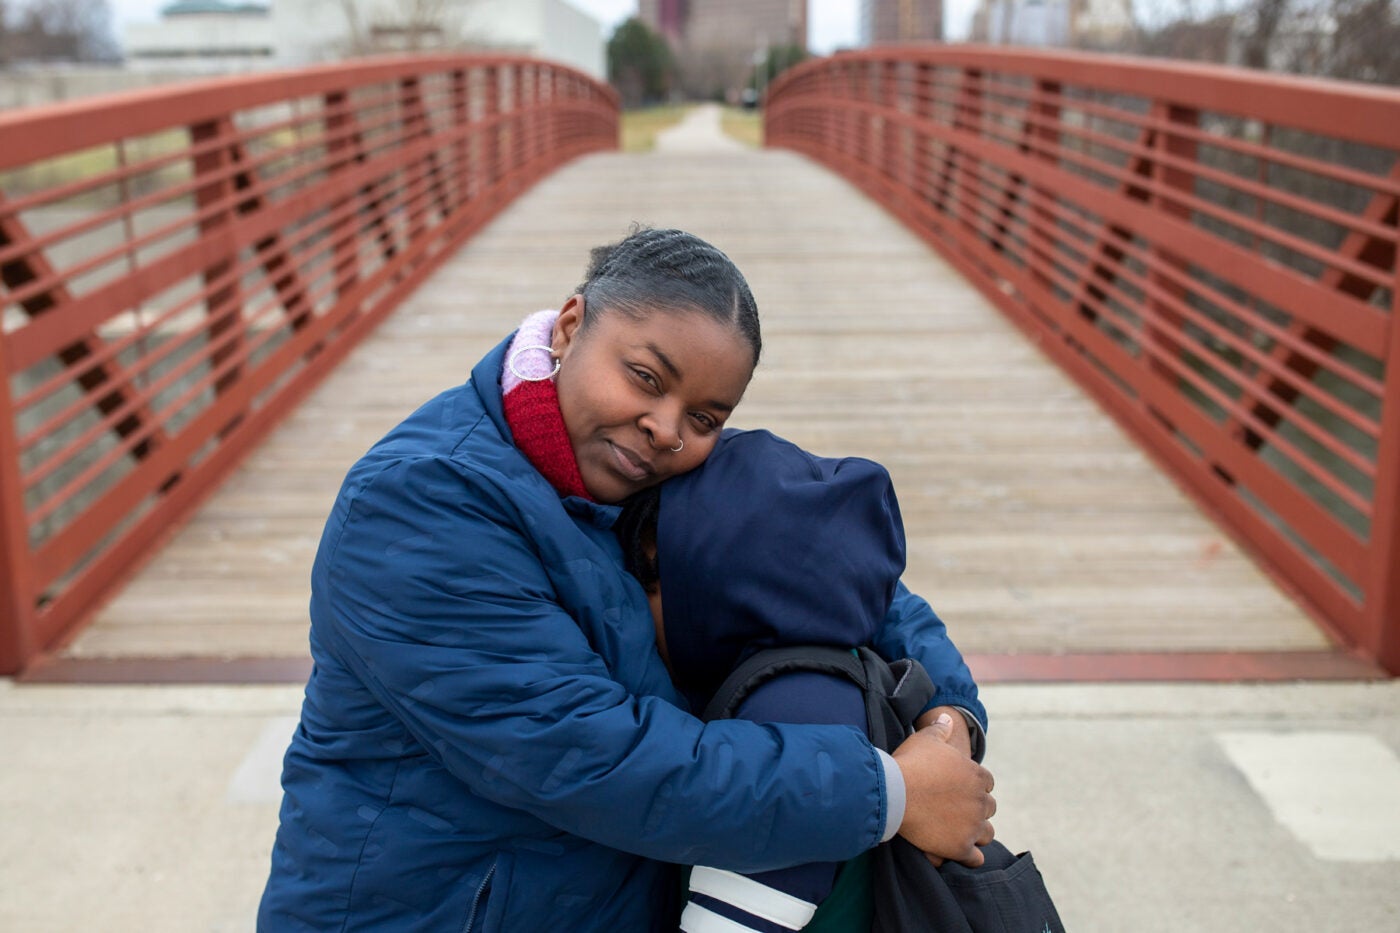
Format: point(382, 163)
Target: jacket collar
point(486, 380)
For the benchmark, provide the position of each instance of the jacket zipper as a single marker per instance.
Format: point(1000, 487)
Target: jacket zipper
point(476, 898)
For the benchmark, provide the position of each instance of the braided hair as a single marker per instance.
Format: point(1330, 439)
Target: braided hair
point(669, 270)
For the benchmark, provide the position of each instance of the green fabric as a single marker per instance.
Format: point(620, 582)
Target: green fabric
point(850, 905)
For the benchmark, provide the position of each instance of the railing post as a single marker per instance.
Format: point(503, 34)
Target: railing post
point(419, 174)
point(1162, 325)
point(552, 130)
point(536, 103)
point(342, 154)
point(830, 135)
point(528, 96)
point(491, 112)
point(223, 302)
point(1382, 609)
point(1043, 141)
point(870, 123)
point(850, 125)
point(520, 121)
point(890, 151)
point(544, 93)
point(461, 117)
point(921, 107)
point(964, 169)
point(17, 592)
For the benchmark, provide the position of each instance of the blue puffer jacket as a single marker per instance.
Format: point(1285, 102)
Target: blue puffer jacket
point(489, 739)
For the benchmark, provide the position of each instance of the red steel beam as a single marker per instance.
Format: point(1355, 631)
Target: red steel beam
point(105, 383)
point(1382, 618)
point(17, 640)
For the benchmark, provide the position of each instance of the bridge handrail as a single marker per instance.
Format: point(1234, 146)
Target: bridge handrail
point(180, 266)
point(1211, 252)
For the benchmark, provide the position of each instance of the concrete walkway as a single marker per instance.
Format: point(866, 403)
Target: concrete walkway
point(1170, 809)
point(699, 132)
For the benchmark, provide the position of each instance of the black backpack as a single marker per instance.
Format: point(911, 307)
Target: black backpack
point(1004, 895)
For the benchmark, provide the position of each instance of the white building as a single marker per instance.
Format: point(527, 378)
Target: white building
point(214, 36)
point(220, 35)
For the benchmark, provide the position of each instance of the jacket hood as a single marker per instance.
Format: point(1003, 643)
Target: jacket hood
point(767, 545)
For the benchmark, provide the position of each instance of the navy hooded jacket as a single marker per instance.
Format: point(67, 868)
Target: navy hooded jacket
point(489, 739)
point(766, 545)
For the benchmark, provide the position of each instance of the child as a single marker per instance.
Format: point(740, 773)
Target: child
point(768, 546)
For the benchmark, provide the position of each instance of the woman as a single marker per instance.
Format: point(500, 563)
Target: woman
point(489, 739)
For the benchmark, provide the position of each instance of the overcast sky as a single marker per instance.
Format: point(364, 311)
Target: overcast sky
point(830, 23)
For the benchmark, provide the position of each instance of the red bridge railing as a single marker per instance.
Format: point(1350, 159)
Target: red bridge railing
point(1210, 252)
point(179, 267)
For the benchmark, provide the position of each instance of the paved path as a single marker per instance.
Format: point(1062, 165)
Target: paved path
point(1034, 524)
point(699, 132)
point(152, 809)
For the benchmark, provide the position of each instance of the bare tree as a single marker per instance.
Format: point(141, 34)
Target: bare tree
point(1366, 44)
point(1262, 20)
point(1204, 40)
point(56, 30)
point(404, 25)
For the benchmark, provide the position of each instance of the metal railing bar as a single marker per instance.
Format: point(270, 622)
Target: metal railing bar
point(1323, 256)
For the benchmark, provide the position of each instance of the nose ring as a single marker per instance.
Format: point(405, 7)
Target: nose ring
point(677, 449)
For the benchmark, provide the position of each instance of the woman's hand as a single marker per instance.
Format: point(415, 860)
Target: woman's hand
point(949, 802)
point(959, 738)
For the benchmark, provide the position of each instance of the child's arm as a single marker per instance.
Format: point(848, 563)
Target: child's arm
point(911, 629)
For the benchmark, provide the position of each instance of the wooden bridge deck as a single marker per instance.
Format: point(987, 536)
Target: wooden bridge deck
point(1035, 525)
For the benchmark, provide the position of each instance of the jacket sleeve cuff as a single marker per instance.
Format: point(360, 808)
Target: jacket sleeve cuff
point(976, 733)
point(895, 799)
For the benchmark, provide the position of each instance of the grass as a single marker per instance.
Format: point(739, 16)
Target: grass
point(743, 125)
point(639, 127)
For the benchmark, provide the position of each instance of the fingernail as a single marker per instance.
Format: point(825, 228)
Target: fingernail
point(944, 719)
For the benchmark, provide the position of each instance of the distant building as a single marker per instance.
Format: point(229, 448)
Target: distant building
point(214, 36)
point(223, 36)
point(727, 23)
point(718, 42)
point(746, 23)
point(666, 17)
point(900, 21)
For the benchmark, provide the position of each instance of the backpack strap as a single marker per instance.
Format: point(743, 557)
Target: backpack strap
point(895, 693)
point(763, 666)
point(905, 689)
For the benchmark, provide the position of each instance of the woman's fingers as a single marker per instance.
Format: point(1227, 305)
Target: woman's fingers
point(948, 803)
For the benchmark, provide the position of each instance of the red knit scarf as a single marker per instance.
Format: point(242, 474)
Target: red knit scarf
point(532, 406)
